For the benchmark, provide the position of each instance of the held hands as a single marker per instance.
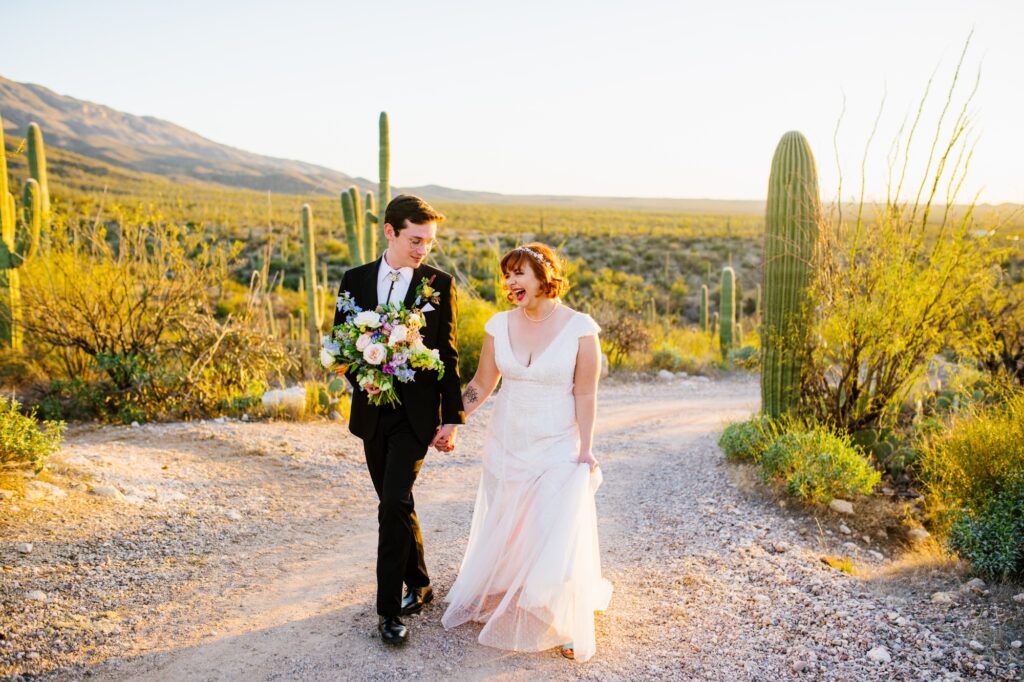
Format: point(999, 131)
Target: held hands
point(587, 458)
point(444, 438)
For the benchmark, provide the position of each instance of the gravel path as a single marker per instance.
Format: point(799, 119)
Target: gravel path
point(236, 551)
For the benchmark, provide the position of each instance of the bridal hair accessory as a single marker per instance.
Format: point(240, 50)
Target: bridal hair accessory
point(536, 255)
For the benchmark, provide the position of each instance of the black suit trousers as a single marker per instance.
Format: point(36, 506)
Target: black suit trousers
point(394, 456)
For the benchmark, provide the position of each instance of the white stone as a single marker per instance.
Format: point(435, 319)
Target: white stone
point(36, 491)
point(917, 534)
point(291, 401)
point(973, 585)
point(335, 416)
point(25, 547)
point(1016, 644)
point(879, 654)
point(877, 556)
point(36, 595)
point(233, 515)
point(245, 417)
point(108, 491)
point(844, 529)
point(1019, 598)
point(942, 598)
point(665, 375)
point(135, 425)
point(841, 506)
point(976, 645)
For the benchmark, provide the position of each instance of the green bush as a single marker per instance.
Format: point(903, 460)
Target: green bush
point(973, 460)
point(818, 465)
point(992, 538)
point(473, 314)
point(23, 440)
point(747, 440)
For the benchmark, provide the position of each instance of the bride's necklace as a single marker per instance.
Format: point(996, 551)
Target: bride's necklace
point(553, 309)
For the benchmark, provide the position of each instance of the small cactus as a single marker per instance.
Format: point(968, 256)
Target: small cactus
point(37, 169)
point(727, 310)
point(316, 314)
point(704, 308)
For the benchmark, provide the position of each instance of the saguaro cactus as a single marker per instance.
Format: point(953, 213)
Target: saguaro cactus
point(791, 234)
point(370, 231)
point(704, 308)
point(315, 310)
point(353, 224)
point(384, 169)
point(37, 169)
point(727, 310)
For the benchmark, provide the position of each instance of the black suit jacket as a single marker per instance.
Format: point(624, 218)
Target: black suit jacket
point(427, 401)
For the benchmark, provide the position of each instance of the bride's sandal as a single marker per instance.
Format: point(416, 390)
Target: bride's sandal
point(567, 651)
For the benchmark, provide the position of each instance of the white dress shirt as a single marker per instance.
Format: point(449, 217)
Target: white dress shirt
point(384, 282)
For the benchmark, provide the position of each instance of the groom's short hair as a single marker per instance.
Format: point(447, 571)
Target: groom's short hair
point(410, 207)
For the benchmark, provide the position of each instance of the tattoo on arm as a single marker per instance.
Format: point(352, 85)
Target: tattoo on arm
point(470, 396)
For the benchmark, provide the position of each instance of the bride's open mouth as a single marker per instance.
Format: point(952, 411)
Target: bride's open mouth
point(519, 294)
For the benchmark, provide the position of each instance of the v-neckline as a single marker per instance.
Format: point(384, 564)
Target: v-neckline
point(556, 337)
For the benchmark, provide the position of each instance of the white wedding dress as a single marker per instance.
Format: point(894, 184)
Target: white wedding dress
point(532, 572)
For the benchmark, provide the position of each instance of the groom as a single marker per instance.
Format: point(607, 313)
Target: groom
point(395, 439)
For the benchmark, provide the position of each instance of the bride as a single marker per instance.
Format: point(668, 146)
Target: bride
point(532, 573)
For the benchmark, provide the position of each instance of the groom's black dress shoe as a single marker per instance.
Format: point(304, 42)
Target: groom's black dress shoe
point(415, 599)
point(393, 630)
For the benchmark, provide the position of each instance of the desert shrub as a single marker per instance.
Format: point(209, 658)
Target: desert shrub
point(974, 459)
point(818, 465)
point(683, 349)
point(747, 440)
point(473, 315)
point(897, 285)
point(623, 336)
point(992, 537)
point(126, 326)
point(23, 439)
point(746, 357)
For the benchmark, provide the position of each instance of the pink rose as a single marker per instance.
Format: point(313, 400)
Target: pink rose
point(362, 342)
point(375, 353)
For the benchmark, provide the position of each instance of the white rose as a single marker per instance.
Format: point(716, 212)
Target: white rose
point(367, 318)
point(326, 359)
point(375, 353)
point(418, 346)
point(398, 334)
point(362, 342)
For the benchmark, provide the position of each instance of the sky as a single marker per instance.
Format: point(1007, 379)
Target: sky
point(632, 98)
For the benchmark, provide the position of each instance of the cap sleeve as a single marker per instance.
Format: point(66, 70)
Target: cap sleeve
point(585, 325)
point(493, 325)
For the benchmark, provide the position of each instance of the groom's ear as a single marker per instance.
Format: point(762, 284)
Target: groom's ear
point(389, 231)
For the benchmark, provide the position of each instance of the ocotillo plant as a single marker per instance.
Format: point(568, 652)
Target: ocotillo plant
point(704, 308)
point(313, 294)
point(791, 233)
point(727, 310)
point(37, 169)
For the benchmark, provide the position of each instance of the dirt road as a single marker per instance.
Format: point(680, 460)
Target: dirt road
point(245, 552)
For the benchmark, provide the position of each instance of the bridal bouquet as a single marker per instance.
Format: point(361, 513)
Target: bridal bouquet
point(383, 345)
